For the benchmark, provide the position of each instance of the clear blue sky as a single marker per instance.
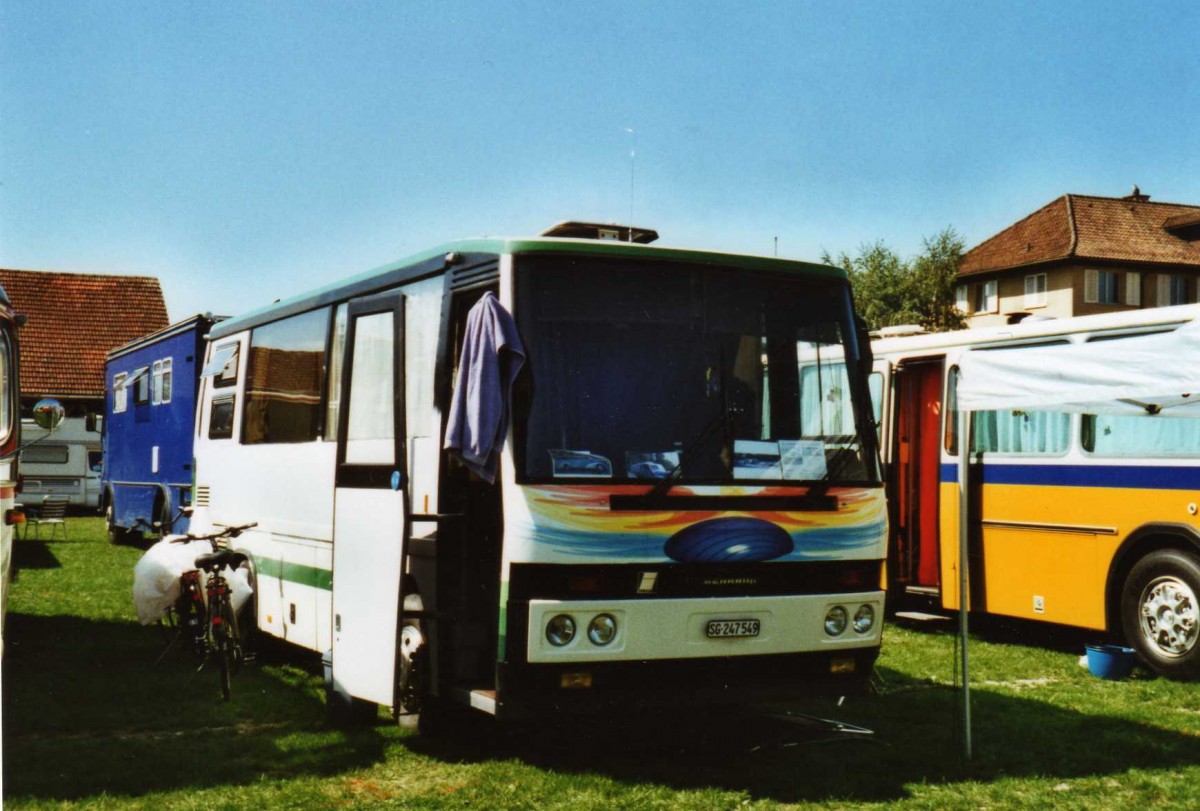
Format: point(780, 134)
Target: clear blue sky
point(245, 151)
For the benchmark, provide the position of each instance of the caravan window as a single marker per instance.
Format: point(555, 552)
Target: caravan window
point(285, 379)
point(46, 455)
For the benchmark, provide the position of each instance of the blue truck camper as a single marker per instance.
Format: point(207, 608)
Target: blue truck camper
point(149, 424)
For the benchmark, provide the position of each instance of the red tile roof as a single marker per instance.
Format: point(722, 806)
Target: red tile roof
point(1077, 226)
point(74, 319)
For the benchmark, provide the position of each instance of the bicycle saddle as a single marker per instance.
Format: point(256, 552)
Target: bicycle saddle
point(220, 559)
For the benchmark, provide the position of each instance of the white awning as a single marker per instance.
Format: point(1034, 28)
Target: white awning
point(1148, 374)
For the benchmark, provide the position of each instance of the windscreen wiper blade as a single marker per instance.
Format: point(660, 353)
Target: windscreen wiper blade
point(664, 485)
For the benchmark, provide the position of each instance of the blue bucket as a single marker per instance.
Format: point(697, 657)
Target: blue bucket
point(1110, 661)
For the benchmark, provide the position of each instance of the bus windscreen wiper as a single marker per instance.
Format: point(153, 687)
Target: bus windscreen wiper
point(664, 485)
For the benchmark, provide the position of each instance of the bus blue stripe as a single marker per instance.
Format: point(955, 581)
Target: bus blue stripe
point(1144, 477)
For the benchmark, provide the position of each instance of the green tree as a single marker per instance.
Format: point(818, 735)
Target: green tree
point(935, 277)
point(889, 290)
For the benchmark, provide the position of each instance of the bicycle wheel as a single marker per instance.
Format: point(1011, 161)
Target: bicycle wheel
point(225, 643)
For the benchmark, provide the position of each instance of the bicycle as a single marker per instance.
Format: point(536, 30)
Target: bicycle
point(207, 617)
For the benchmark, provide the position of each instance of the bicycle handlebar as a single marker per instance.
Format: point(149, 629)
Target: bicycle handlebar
point(213, 537)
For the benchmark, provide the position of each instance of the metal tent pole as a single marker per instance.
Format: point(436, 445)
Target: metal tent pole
point(964, 534)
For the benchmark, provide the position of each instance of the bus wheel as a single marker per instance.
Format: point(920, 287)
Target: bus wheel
point(1160, 614)
point(412, 676)
point(116, 534)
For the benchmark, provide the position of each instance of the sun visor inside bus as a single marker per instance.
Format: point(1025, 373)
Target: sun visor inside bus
point(222, 359)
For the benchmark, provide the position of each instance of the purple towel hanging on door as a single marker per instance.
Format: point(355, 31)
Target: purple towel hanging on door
point(491, 357)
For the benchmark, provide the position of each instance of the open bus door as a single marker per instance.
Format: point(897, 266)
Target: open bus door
point(914, 479)
point(370, 513)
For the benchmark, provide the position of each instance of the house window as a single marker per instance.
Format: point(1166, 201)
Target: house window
point(1035, 290)
point(986, 300)
point(1133, 289)
point(1172, 290)
point(1099, 287)
point(120, 393)
point(961, 299)
point(160, 391)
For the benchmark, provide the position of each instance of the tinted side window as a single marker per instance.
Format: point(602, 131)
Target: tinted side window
point(285, 379)
point(220, 418)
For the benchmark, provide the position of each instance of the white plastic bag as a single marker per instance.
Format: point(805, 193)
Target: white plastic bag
point(156, 578)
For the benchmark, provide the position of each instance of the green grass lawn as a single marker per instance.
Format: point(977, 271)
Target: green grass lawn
point(91, 719)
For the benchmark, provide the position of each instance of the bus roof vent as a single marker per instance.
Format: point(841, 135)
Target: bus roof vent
point(593, 230)
point(899, 331)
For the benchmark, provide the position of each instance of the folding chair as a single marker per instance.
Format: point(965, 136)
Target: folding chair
point(53, 511)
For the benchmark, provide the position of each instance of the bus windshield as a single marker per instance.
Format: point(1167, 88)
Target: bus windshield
point(640, 370)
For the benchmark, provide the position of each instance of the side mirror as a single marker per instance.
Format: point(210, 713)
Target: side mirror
point(48, 413)
point(89, 423)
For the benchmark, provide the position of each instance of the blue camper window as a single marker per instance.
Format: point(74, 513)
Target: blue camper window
point(141, 386)
point(160, 389)
point(120, 393)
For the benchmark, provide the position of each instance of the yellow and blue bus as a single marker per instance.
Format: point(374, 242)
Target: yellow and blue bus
point(1076, 519)
point(671, 516)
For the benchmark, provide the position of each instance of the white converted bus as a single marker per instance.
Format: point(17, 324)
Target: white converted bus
point(1076, 519)
point(665, 522)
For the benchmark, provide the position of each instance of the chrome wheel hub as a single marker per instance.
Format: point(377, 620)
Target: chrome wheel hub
point(1168, 616)
point(411, 638)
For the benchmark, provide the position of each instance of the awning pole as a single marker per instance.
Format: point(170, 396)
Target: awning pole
point(964, 534)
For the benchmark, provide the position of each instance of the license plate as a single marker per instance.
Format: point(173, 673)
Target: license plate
point(720, 629)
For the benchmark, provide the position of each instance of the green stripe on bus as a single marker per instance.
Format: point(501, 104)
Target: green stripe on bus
point(295, 573)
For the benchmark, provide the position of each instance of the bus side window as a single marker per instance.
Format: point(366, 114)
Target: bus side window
point(950, 436)
point(220, 418)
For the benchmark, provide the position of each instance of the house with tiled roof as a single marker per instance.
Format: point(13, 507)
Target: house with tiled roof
point(1080, 255)
point(72, 321)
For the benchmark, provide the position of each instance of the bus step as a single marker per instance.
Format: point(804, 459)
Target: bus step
point(483, 700)
point(921, 616)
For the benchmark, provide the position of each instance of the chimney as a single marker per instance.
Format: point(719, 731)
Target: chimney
point(1137, 196)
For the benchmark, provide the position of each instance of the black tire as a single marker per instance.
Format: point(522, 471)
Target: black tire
point(228, 654)
point(163, 510)
point(1160, 614)
point(225, 665)
point(118, 535)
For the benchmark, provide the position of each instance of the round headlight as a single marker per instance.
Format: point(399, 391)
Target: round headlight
point(864, 619)
point(602, 629)
point(835, 620)
point(560, 630)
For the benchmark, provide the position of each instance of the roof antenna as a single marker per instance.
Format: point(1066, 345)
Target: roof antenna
point(632, 154)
